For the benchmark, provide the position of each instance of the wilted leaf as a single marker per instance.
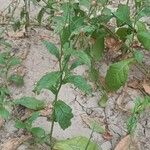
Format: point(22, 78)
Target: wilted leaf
point(30, 102)
point(77, 143)
point(62, 114)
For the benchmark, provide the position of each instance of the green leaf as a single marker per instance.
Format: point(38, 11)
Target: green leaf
point(96, 126)
point(52, 48)
point(4, 113)
point(141, 26)
point(14, 61)
point(38, 132)
point(144, 38)
point(30, 120)
point(82, 57)
point(98, 48)
point(30, 102)
point(19, 124)
point(79, 82)
point(76, 64)
point(16, 79)
point(123, 15)
point(49, 81)
point(62, 114)
point(76, 143)
point(138, 56)
point(123, 33)
point(103, 100)
point(117, 74)
point(40, 15)
point(144, 12)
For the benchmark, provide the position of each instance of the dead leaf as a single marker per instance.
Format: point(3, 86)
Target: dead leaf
point(16, 35)
point(128, 143)
point(107, 135)
point(14, 143)
point(124, 143)
point(146, 87)
point(1, 122)
point(112, 44)
point(134, 83)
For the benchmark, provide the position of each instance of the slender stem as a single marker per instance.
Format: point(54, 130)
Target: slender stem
point(86, 148)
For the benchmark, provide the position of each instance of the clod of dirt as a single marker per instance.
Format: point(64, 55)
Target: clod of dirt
point(14, 143)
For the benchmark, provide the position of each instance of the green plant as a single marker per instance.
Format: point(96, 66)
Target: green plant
point(8, 62)
point(140, 105)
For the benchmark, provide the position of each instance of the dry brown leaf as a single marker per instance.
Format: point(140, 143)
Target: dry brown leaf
point(135, 84)
point(16, 35)
point(124, 144)
point(107, 136)
point(128, 143)
point(1, 122)
point(14, 143)
point(113, 44)
point(146, 88)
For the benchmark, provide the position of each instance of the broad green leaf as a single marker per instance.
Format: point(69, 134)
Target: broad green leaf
point(103, 2)
point(98, 48)
point(4, 113)
point(94, 74)
point(123, 15)
point(138, 56)
point(14, 61)
point(144, 38)
point(82, 57)
point(123, 32)
point(103, 100)
point(49, 81)
point(30, 102)
point(144, 12)
point(76, 143)
point(16, 79)
point(19, 124)
point(30, 120)
point(96, 126)
point(52, 48)
point(79, 82)
point(76, 64)
point(38, 132)
point(141, 26)
point(117, 74)
point(62, 114)
point(3, 57)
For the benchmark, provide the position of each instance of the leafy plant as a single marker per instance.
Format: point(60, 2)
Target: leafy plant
point(7, 62)
point(140, 105)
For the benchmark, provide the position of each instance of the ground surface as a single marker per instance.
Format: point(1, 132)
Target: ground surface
point(37, 61)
